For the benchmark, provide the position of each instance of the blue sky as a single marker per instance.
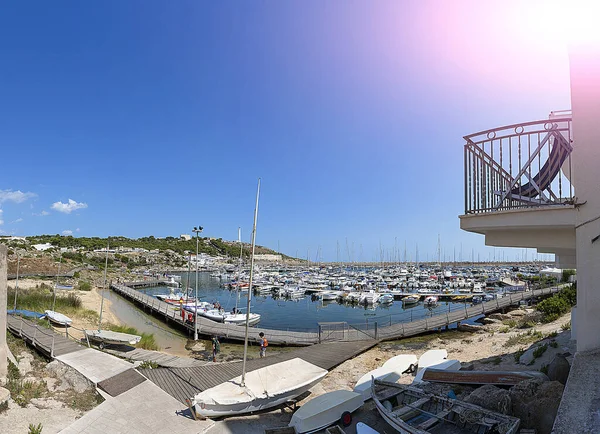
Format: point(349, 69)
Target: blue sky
point(145, 118)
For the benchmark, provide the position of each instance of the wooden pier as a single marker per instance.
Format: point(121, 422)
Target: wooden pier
point(46, 341)
point(206, 327)
point(328, 332)
point(184, 383)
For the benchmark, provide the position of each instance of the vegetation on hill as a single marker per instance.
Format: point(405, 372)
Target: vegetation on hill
point(210, 246)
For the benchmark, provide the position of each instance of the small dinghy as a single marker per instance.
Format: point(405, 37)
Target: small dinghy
point(325, 410)
point(58, 318)
point(410, 410)
point(363, 428)
point(446, 365)
point(26, 313)
point(107, 337)
point(497, 378)
point(432, 357)
point(391, 371)
point(402, 359)
point(264, 388)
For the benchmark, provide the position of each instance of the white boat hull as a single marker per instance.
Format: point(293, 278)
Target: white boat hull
point(240, 319)
point(265, 388)
point(58, 318)
point(324, 410)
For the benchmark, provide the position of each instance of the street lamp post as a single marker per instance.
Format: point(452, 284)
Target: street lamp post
point(197, 231)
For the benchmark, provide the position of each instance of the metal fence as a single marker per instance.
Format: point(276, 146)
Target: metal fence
point(519, 166)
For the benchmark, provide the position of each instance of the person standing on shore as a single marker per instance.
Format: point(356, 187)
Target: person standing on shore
point(216, 347)
point(263, 344)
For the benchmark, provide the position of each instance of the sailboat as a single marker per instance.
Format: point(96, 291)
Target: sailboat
point(262, 388)
point(236, 317)
point(108, 337)
point(53, 316)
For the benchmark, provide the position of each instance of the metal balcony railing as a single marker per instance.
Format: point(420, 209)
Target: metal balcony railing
point(519, 166)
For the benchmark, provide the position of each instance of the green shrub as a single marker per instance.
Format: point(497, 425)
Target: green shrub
point(566, 326)
point(148, 364)
point(77, 275)
point(84, 285)
point(147, 342)
point(554, 344)
point(566, 274)
point(510, 322)
point(539, 351)
point(544, 369)
point(504, 329)
point(518, 354)
point(552, 308)
point(35, 429)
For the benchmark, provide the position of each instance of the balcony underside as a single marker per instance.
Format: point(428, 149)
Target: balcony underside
point(547, 229)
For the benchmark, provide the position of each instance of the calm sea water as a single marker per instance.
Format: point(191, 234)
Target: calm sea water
point(304, 314)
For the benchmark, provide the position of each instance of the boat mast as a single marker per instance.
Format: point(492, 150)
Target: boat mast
point(104, 286)
point(250, 286)
point(237, 295)
point(56, 283)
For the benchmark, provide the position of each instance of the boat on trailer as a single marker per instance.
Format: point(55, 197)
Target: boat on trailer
point(107, 337)
point(410, 410)
point(325, 410)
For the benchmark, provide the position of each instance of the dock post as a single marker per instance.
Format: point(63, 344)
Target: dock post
point(375, 330)
point(319, 333)
point(3, 314)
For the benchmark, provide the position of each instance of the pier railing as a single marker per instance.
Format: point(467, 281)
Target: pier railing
point(519, 166)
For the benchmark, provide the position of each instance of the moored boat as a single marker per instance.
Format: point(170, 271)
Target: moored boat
point(410, 410)
point(411, 299)
point(325, 410)
point(431, 300)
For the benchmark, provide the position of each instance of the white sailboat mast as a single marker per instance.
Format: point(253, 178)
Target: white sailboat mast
point(243, 383)
point(104, 287)
point(237, 295)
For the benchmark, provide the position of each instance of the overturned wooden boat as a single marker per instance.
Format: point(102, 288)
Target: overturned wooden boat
point(497, 378)
point(445, 365)
point(325, 410)
point(410, 410)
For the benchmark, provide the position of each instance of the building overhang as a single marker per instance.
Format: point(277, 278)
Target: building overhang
point(549, 229)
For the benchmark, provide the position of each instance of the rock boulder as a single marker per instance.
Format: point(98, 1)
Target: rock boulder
point(559, 368)
point(491, 397)
point(536, 402)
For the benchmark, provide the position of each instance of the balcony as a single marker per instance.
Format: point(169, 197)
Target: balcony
point(518, 189)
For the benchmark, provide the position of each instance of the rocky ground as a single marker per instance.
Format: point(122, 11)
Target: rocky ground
point(43, 392)
point(512, 341)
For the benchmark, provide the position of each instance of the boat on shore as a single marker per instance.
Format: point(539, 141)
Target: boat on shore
point(107, 337)
point(58, 318)
point(325, 410)
point(264, 388)
point(410, 410)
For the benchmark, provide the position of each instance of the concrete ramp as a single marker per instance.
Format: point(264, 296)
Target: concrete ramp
point(95, 365)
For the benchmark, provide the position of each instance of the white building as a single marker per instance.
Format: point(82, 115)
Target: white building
point(185, 237)
point(42, 247)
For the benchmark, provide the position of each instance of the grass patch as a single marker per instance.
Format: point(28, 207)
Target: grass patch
point(554, 344)
point(35, 429)
point(504, 329)
point(566, 326)
point(22, 392)
point(526, 324)
point(148, 364)
point(518, 354)
point(84, 285)
point(497, 360)
point(539, 351)
point(510, 323)
point(553, 334)
point(524, 338)
point(40, 299)
point(85, 401)
point(147, 342)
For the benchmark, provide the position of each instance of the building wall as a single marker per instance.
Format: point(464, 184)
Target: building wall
point(585, 101)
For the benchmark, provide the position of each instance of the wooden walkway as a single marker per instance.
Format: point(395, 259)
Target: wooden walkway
point(400, 330)
point(210, 328)
point(161, 359)
point(329, 332)
point(184, 383)
point(44, 340)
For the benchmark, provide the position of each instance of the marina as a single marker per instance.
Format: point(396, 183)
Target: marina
point(378, 327)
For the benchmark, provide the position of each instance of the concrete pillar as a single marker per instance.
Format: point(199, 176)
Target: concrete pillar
point(3, 304)
point(585, 101)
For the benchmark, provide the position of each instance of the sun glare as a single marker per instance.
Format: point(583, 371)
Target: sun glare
point(573, 22)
